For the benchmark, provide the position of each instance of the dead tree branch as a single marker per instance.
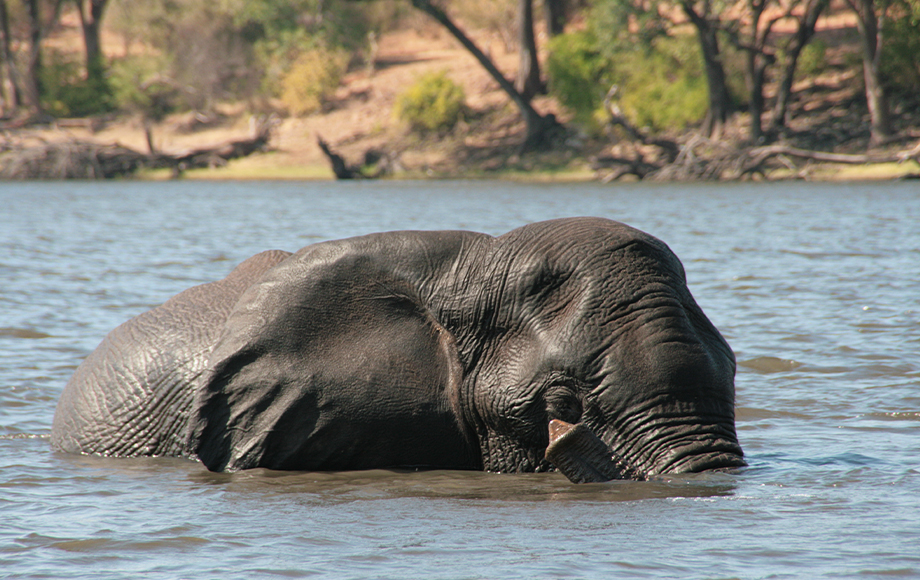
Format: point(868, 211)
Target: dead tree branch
point(88, 160)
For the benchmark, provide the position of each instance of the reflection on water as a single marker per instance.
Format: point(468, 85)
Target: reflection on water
point(815, 286)
point(460, 485)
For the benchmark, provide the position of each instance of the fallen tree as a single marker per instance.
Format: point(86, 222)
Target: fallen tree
point(376, 163)
point(700, 158)
point(89, 160)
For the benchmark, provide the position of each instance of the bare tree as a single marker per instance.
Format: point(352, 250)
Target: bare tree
point(10, 83)
point(539, 127)
point(29, 83)
point(555, 14)
point(806, 22)
point(31, 89)
point(528, 79)
point(869, 22)
point(91, 13)
point(705, 19)
point(757, 58)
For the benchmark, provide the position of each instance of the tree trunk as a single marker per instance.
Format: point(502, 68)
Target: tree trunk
point(554, 11)
point(10, 80)
point(31, 86)
point(538, 126)
point(758, 58)
point(90, 21)
point(870, 32)
point(803, 35)
point(757, 69)
point(719, 99)
point(528, 78)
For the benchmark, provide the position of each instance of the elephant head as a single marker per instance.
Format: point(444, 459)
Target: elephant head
point(457, 350)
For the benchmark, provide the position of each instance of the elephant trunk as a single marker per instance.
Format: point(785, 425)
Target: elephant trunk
point(583, 458)
point(579, 455)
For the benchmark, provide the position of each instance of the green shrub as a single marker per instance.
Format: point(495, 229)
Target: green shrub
point(661, 85)
point(813, 59)
point(433, 103)
point(666, 87)
point(311, 82)
point(137, 85)
point(577, 75)
point(67, 93)
point(901, 52)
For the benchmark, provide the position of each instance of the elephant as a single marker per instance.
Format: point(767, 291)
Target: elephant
point(570, 344)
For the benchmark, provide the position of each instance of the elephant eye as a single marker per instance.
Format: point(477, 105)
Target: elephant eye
point(562, 402)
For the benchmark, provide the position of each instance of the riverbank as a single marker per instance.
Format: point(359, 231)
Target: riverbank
point(485, 144)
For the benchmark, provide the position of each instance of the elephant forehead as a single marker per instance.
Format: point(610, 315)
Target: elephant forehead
point(578, 235)
point(418, 250)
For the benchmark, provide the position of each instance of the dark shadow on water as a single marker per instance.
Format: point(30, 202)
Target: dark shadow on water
point(349, 486)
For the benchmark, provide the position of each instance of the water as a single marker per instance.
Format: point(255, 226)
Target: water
point(817, 288)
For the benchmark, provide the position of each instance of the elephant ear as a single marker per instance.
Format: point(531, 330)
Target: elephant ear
point(331, 362)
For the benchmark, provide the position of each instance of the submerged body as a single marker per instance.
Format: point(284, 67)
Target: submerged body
point(423, 349)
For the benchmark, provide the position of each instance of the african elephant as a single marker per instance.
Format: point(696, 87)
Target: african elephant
point(435, 349)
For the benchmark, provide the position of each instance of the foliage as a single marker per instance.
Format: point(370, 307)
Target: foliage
point(203, 54)
point(498, 17)
point(901, 52)
point(311, 82)
point(230, 49)
point(211, 61)
point(813, 59)
point(138, 85)
point(578, 75)
point(664, 88)
point(661, 86)
point(622, 24)
point(433, 103)
point(67, 93)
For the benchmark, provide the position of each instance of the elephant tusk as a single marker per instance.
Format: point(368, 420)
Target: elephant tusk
point(579, 455)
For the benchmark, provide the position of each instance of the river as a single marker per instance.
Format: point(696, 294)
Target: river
point(815, 286)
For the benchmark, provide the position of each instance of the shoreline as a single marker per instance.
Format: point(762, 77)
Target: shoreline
point(483, 146)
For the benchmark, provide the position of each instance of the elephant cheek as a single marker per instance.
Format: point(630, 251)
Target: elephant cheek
point(579, 455)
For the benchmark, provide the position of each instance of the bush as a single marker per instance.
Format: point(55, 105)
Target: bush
point(901, 52)
point(65, 91)
point(813, 59)
point(433, 103)
point(665, 88)
point(311, 82)
point(661, 85)
point(137, 85)
point(577, 75)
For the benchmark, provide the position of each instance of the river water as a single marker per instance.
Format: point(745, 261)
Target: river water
point(816, 287)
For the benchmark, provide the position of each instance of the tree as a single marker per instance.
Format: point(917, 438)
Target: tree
point(528, 82)
point(642, 21)
point(757, 58)
point(704, 17)
point(538, 127)
point(761, 51)
point(554, 12)
point(25, 87)
point(805, 30)
point(10, 84)
point(869, 22)
point(91, 12)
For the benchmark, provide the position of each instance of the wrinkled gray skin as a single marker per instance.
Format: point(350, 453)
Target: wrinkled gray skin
point(421, 349)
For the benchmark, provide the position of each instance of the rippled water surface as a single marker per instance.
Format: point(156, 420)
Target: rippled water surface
point(817, 288)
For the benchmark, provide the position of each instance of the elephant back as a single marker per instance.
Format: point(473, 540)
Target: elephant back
point(131, 395)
